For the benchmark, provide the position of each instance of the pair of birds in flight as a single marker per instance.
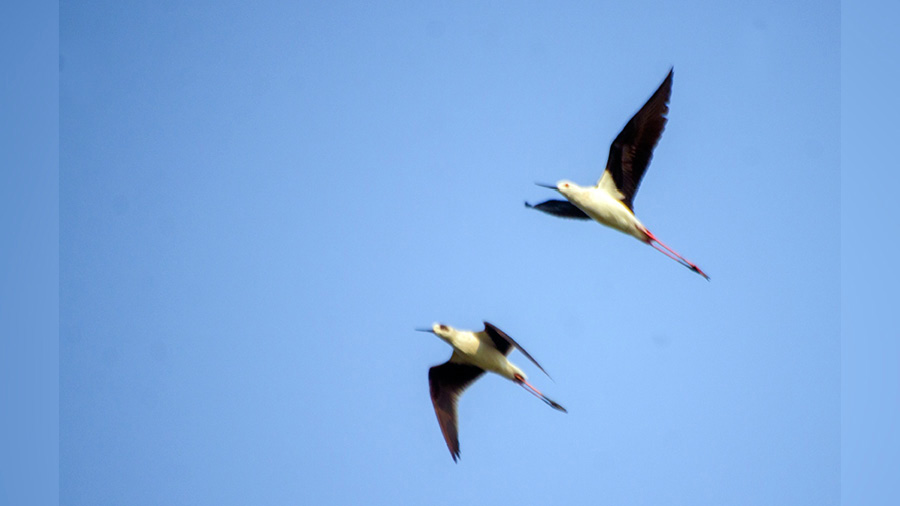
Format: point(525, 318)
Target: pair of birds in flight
point(609, 202)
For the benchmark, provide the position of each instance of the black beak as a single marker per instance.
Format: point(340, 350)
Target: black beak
point(552, 187)
point(425, 330)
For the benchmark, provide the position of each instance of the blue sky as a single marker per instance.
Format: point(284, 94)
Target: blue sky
point(258, 204)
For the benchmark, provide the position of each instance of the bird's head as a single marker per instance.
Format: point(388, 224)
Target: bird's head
point(565, 187)
point(440, 330)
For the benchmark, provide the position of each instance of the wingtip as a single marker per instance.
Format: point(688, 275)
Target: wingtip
point(670, 76)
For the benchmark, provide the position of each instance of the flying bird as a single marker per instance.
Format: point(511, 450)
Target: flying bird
point(610, 202)
point(473, 354)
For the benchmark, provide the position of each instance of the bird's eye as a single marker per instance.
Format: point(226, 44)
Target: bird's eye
point(443, 327)
point(566, 185)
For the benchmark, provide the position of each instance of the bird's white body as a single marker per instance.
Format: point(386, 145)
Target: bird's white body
point(612, 200)
point(476, 348)
point(473, 354)
point(603, 203)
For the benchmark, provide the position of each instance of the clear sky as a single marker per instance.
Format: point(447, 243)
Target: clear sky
point(259, 202)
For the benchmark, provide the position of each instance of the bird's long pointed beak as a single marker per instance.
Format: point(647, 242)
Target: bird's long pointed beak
point(425, 330)
point(551, 186)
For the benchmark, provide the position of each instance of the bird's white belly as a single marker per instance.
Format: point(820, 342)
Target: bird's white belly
point(480, 354)
point(610, 212)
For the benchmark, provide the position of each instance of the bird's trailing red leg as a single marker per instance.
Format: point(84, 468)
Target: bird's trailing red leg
point(669, 252)
point(537, 393)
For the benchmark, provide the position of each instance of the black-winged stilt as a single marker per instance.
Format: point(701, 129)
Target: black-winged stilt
point(610, 201)
point(473, 354)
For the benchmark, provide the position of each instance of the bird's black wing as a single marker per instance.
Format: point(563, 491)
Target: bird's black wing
point(561, 208)
point(503, 343)
point(630, 153)
point(447, 382)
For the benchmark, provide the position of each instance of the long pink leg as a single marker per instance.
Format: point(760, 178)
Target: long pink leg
point(537, 393)
point(669, 252)
point(657, 247)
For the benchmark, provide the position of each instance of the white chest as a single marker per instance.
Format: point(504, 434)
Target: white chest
point(609, 211)
point(472, 350)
